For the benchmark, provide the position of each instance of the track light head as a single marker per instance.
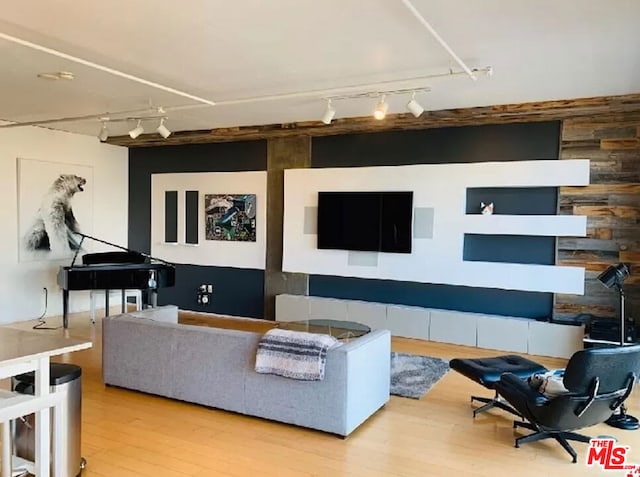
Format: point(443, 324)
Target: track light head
point(381, 109)
point(163, 130)
point(329, 113)
point(414, 107)
point(104, 132)
point(135, 132)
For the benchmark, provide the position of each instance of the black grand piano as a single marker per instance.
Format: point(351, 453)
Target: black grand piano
point(126, 270)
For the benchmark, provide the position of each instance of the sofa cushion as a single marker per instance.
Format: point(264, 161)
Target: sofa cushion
point(209, 364)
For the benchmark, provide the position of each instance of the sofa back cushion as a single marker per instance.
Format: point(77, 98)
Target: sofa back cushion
point(191, 363)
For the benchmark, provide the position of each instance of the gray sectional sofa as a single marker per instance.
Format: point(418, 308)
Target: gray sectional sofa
point(149, 351)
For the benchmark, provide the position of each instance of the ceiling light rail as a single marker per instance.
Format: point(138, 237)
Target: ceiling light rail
point(106, 116)
point(378, 93)
point(371, 88)
point(381, 108)
point(162, 129)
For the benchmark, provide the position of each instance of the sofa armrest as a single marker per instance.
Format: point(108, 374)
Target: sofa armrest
point(368, 370)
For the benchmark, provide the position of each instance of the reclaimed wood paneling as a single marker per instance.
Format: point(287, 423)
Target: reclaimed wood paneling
point(612, 206)
point(606, 211)
point(609, 144)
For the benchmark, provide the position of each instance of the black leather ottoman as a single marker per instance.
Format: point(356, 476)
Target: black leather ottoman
point(487, 371)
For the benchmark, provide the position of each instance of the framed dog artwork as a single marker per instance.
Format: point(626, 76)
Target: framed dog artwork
point(54, 201)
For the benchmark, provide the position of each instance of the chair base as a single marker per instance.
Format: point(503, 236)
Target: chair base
point(490, 403)
point(622, 420)
point(561, 436)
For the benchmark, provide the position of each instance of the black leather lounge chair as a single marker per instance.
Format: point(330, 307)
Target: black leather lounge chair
point(598, 381)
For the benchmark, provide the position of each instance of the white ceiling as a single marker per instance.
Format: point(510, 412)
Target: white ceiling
point(225, 50)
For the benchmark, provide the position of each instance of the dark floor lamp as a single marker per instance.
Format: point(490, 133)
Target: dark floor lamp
point(614, 277)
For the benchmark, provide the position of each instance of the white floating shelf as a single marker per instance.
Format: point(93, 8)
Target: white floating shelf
point(539, 225)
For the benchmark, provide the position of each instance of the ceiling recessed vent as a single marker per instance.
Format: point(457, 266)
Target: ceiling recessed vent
point(57, 75)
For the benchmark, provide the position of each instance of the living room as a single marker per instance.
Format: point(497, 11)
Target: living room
point(565, 159)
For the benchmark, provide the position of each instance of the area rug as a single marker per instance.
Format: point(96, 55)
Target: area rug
point(413, 376)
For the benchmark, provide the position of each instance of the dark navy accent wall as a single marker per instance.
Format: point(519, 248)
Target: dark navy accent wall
point(235, 291)
point(509, 249)
point(448, 297)
point(514, 200)
point(506, 142)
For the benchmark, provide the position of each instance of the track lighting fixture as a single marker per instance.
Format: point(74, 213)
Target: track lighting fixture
point(135, 132)
point(415, 107)
point(329, 113)
point(163, 130)
point(104, 132)
point(381, 109)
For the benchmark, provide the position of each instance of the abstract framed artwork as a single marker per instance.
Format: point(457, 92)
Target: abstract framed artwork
point(230, 217)
point(55, 200)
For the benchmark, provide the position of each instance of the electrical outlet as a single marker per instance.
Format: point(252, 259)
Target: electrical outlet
point(204, 294)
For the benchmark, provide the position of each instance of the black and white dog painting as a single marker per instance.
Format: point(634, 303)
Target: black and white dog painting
point(51, 214)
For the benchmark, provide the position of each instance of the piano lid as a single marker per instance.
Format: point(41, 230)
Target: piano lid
point(101, 258)
point(127, 256)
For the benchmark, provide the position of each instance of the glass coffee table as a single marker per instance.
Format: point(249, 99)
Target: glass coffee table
point(342, 330)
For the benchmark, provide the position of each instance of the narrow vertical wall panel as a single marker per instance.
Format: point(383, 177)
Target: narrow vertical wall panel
point(191, 216)
point(171, 216)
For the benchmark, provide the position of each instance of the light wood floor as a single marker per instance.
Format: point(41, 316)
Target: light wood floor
point(126, 433)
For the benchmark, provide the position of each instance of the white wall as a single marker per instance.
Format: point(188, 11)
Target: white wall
point(22, 283)
point(437, 256)
point(209, 252)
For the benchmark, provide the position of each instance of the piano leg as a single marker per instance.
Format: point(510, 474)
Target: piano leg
point(106, 303)
point(65, 308)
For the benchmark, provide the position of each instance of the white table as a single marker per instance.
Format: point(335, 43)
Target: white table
point(21, 352)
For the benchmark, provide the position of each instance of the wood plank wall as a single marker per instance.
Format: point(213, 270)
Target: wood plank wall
point(612, 206)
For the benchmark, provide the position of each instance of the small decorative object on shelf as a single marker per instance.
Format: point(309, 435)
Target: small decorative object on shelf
point(486, 209)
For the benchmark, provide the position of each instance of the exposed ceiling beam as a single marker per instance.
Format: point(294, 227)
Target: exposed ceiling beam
point(523, 112)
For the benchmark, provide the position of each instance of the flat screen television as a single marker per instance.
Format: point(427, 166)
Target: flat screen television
point(365, 221)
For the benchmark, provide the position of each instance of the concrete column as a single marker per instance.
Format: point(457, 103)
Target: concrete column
point(282, 153)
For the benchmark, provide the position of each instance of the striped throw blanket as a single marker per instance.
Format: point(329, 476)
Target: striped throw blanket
point(293, 354)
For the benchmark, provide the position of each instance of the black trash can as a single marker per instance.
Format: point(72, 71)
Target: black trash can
point(62, 377)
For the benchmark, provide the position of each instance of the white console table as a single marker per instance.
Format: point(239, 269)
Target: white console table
point(22, 352)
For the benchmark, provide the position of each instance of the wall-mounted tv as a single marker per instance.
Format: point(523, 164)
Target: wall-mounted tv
point(366, 221)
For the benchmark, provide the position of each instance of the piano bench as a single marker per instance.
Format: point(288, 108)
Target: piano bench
point(136, 294)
